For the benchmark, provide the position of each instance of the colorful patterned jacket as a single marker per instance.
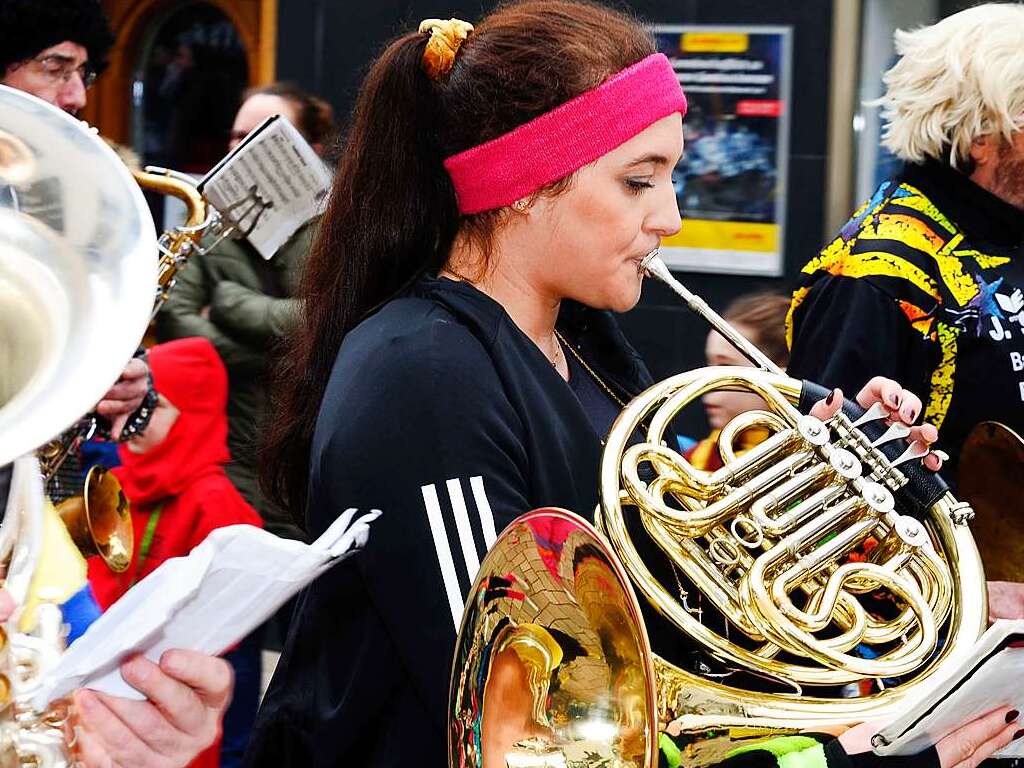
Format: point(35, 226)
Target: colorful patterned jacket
point(923, 285)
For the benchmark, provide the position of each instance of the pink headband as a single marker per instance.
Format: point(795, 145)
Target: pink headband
point(570, 136)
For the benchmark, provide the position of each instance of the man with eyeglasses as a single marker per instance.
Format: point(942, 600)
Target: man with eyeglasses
point(53, 49)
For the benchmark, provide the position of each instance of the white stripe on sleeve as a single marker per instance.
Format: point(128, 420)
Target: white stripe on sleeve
point(469, 554)
point(483, 506)
point(444, 552)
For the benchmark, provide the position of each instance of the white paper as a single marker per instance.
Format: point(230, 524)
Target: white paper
point(998, 682)
point(208, 601)
point(271, 184)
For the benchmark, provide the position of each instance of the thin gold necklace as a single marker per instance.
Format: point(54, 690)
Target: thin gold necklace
point(588, 369)
point(558, 354)
point(558, 347)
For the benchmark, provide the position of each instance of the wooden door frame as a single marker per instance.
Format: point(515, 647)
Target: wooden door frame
point(110, 107)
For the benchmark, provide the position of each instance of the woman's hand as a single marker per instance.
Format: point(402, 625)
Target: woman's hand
point(125, 396)
point(186, 698)
point(904, 407)
point(966, 747)
point(1005, 600)
point(186, 695)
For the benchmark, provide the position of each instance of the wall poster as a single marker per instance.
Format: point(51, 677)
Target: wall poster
point(731, 181)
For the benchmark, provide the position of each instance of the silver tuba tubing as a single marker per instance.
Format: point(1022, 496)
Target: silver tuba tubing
point(77, 270)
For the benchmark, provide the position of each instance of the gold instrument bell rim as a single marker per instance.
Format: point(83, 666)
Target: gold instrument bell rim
point(78, 513)
point(108, 481)
point(643, 642)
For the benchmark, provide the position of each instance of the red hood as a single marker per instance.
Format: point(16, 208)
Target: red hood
point(190, 374)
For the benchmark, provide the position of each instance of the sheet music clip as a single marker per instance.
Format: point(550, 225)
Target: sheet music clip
point(240, 218)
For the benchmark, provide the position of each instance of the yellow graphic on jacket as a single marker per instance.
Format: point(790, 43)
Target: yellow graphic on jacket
point(902, 244)
point(942, 377)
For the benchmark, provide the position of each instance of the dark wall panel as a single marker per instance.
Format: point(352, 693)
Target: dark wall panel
point(326, 45)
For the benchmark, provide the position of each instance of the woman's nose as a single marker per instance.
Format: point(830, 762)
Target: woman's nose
point(665, 219)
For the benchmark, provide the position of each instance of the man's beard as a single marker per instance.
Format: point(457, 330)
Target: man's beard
point(1009, 177)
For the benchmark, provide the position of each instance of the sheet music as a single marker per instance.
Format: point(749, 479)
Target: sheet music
point(208, 601)
point(992, 677)
point(269, 185)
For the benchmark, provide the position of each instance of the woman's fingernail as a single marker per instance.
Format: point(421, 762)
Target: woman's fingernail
point(1012, 715)
point(137, 669)
point(173, 664)
point(894, 399)
point(830, 398)
point(909, 414)
point(1018, 734)
point(86, 700)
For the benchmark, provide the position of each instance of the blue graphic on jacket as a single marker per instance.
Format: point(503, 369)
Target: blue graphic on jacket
point(985, 302)
point(852, 227)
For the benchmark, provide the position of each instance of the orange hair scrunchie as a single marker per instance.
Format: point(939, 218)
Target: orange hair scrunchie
point(446, 37)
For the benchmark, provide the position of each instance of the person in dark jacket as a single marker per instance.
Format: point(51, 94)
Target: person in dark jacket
point(457, 363)
point(925, 283)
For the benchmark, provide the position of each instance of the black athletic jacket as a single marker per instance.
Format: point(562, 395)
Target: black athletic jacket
point(443, 414)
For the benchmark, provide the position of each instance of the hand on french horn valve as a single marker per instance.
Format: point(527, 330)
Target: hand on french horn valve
point(904, 408)
point(186, 695)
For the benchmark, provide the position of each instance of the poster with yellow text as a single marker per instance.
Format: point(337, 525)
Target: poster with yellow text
point(731, 181)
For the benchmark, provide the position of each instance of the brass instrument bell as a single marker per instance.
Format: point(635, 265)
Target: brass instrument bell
point(99, 520)
point(552, 666)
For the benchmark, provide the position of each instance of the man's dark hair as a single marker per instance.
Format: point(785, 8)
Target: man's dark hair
point(30, 26)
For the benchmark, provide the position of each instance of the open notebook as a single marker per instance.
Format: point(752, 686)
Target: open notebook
point(992, 677)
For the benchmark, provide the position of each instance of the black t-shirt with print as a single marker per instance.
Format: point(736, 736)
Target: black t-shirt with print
point(925, 285)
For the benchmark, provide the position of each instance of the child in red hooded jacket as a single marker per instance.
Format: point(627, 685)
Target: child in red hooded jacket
point(173, 474)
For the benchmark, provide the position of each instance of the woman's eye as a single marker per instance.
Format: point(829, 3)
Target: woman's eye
point(636, 186)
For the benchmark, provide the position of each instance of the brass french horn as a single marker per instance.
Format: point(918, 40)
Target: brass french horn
point(826, 557)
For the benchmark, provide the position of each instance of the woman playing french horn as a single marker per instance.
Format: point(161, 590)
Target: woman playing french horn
point(458, 362)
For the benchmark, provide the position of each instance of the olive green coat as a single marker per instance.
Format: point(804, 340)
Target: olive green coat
point(242, 304)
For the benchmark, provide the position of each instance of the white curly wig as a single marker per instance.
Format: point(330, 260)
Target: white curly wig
point(956, 81)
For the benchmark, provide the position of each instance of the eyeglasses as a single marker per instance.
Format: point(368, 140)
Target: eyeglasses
point(57, 67)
